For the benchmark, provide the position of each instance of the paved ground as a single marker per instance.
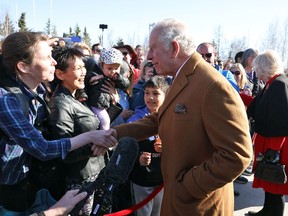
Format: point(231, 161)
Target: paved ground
point(250, 199)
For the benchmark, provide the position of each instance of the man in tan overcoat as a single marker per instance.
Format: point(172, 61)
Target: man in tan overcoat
point(202, 124)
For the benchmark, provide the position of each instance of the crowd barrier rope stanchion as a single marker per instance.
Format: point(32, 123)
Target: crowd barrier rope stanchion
point(138, 205)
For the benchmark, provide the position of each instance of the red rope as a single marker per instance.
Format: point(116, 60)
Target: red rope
point(139, 205)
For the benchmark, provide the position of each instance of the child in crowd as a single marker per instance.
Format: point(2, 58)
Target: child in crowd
point(110, 61)
point(146, 174)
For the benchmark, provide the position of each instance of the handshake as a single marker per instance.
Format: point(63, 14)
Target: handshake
point(102, 140)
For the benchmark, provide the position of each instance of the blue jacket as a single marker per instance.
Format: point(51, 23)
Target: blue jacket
point(229, 76)
point(137, 98)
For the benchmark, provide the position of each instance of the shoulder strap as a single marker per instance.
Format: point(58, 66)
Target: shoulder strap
point(10, 85)
point(21, 98)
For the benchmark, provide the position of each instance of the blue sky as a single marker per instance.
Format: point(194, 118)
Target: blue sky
point(130, 19)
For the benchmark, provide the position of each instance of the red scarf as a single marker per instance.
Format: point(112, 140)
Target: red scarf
point(270, 81)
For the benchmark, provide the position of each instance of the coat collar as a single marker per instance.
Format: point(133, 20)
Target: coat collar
point(180, 81)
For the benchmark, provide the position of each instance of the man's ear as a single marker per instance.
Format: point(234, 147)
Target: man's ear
point(23, 67)
point(59, 74)
point(175, 48)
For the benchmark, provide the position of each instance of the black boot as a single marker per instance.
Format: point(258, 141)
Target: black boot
point(273, 206)
point(262, 212)
point(276, 204)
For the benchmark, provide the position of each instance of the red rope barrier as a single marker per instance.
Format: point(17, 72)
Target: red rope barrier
point(139, 205)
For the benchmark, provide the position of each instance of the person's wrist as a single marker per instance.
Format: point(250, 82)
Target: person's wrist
point(54, 211)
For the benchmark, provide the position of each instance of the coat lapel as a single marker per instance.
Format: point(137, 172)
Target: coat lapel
point(179, 83)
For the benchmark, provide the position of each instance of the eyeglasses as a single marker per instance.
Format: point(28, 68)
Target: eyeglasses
point(149, 64)
point(125, 53)
point(235, 72)
point(207, 55)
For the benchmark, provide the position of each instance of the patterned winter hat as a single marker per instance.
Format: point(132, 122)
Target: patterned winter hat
point(111, 56)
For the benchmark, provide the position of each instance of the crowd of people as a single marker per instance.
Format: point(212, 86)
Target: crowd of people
point(199, 123)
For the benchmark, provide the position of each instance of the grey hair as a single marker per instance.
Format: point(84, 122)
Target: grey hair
point(268, 64)
point(171, 29)
point(248, 53)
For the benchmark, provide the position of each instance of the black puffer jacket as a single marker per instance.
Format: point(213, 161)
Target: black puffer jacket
point(69, 118)
point(96, 96)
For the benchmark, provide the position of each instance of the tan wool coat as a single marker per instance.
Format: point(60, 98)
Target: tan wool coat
point(205, 141)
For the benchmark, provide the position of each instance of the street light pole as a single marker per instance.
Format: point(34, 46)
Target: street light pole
point(103, 26)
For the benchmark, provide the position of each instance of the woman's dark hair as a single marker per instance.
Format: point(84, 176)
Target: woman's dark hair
point(126, 67)
point(64, 56)
point(157, 82)
point(20, 46)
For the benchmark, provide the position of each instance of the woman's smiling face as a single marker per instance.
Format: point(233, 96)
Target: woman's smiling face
point(73, 77)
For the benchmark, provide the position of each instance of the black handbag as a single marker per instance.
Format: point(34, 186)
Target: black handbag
point(269, 169)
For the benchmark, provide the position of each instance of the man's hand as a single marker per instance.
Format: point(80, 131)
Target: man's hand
point(113, 132)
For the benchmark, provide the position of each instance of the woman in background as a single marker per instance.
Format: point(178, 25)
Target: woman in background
point(269, 110)
point(240, 77)
point(147, 71)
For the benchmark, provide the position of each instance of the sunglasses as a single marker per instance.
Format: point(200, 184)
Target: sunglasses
point(207, 55)
point(235, 72)
point(125, 53)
